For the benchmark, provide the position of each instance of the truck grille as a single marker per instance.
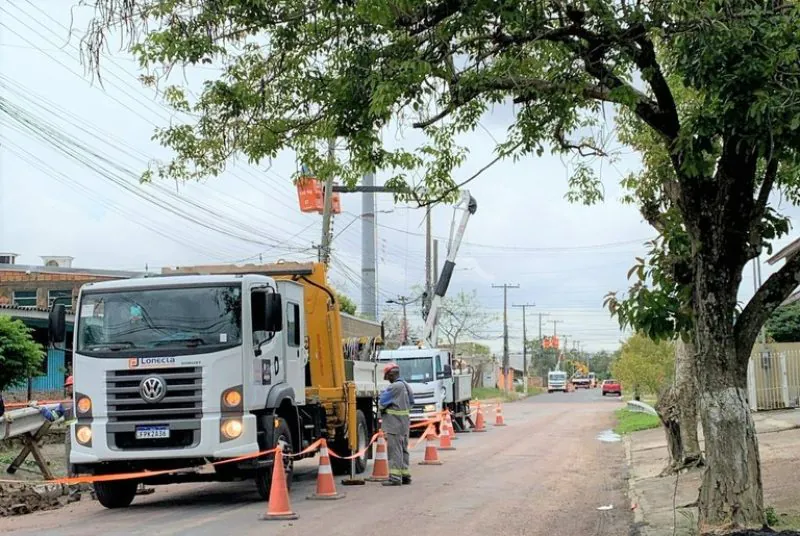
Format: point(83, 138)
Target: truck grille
point(183, 400)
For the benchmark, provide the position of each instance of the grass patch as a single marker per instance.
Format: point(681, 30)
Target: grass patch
point(491, 393)
point(782, 521)
point(634, 421)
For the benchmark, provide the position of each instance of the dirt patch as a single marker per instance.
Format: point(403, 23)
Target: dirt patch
point(24, 498)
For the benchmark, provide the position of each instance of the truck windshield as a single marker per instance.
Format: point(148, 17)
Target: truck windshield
point(189, 319)
point(558, 376)
point(417, 369)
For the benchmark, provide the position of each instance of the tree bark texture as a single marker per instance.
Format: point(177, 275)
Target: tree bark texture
point(731, 495)
point(677, 407)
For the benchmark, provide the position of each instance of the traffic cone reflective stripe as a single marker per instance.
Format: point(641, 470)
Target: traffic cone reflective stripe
point(444, 438)
point(499, 416)
point(326, 488)
point(479, 424)
point(380, 469)
point(431, 456)
point(279, 508)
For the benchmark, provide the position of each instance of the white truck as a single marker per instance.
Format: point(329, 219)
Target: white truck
point(556, 381)
point(173, 372)
point(427, 368)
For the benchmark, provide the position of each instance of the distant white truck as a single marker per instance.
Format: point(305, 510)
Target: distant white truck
point(429, 372)
point(556, 381)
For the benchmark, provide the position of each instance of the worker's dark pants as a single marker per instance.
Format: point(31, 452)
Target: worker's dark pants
point(397, 451)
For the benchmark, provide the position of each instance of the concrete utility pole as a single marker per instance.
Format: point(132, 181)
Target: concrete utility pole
point(555, 334)
point(426, 303)
point(403, 301)
point(524, 306)
point(505, 287)
point(369, 303)
point(325, 243)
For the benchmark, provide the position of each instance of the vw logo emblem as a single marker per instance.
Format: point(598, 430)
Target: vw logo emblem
point(153, 389)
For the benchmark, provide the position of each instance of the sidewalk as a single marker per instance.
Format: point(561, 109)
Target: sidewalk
point(646, 452)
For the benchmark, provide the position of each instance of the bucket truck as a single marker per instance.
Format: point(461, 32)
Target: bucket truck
point(425, 366)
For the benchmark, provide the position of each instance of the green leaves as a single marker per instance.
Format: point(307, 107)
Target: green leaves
point(644, 364)
point(20, 355)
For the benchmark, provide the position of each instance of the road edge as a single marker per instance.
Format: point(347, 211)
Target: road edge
point(639, 521)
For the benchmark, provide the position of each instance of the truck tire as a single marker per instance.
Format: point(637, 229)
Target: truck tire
point(281, 435)
point(342, 467)
point(116, 494)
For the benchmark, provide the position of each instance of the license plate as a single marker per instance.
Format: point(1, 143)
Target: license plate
point(152, 432)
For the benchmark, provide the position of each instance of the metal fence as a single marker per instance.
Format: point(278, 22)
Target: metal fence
point(773, 377)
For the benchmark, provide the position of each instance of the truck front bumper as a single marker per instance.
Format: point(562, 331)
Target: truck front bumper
point(209, 444)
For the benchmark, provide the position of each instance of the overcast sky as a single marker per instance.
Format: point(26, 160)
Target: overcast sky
point(565, 257)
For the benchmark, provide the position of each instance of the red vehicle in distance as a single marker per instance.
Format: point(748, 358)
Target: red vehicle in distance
point(611, 387)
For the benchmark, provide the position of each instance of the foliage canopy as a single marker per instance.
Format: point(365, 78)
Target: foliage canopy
point(20, 355)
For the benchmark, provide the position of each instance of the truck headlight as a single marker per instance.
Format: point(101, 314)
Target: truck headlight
point(231, 428)
point(83, 434)
point(232, 398)
point(84, 405)
point(429, 407)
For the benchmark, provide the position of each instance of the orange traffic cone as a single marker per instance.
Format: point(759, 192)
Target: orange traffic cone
point(444, 437)
point(431, 456)
point(450, 426)
point(278, 508)
point(498, 416)
point(326, 488)
point(380, 469)
point(479, 424)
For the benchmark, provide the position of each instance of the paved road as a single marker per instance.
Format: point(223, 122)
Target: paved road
point(545, 473)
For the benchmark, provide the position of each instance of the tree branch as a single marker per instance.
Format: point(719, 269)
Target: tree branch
point(770, 175)
point(526, 88)
point(769, 297)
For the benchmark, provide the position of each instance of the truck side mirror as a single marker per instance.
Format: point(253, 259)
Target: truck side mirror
point(57, 324)
point(274, 310)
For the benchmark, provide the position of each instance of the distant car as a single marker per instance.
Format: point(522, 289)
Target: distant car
point(611, 387)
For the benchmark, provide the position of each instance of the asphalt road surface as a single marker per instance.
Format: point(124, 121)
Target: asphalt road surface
point(545, 473)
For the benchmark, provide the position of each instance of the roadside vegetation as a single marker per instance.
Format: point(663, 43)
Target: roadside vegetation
point(634, 421)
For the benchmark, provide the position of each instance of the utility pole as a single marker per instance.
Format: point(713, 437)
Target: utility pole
point(505, 287)
point(403, 301)
point(555, 334)
point(426, 303)
point(369, 304)
point(325, 244)
point(524, 307)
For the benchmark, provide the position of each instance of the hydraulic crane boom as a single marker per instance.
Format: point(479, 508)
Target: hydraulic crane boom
point(430, 334)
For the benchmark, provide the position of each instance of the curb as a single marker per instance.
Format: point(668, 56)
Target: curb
point(638, 515)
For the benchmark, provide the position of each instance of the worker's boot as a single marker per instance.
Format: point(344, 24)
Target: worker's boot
point(406, 480)
point(393, 482)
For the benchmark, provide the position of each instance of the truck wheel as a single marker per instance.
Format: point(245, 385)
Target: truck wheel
point(281, 436)
point(342, 467)
point(116, 494)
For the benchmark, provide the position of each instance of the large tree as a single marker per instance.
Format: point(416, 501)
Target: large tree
point(714, 81)
point(20, 356)
point(462, 317)
point(644, 365)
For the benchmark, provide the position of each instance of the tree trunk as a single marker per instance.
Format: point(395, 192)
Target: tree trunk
point(677, 409)
point(731, 495)
point(686, 387)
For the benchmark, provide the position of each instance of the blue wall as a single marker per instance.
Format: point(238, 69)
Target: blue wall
point(54, 380)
